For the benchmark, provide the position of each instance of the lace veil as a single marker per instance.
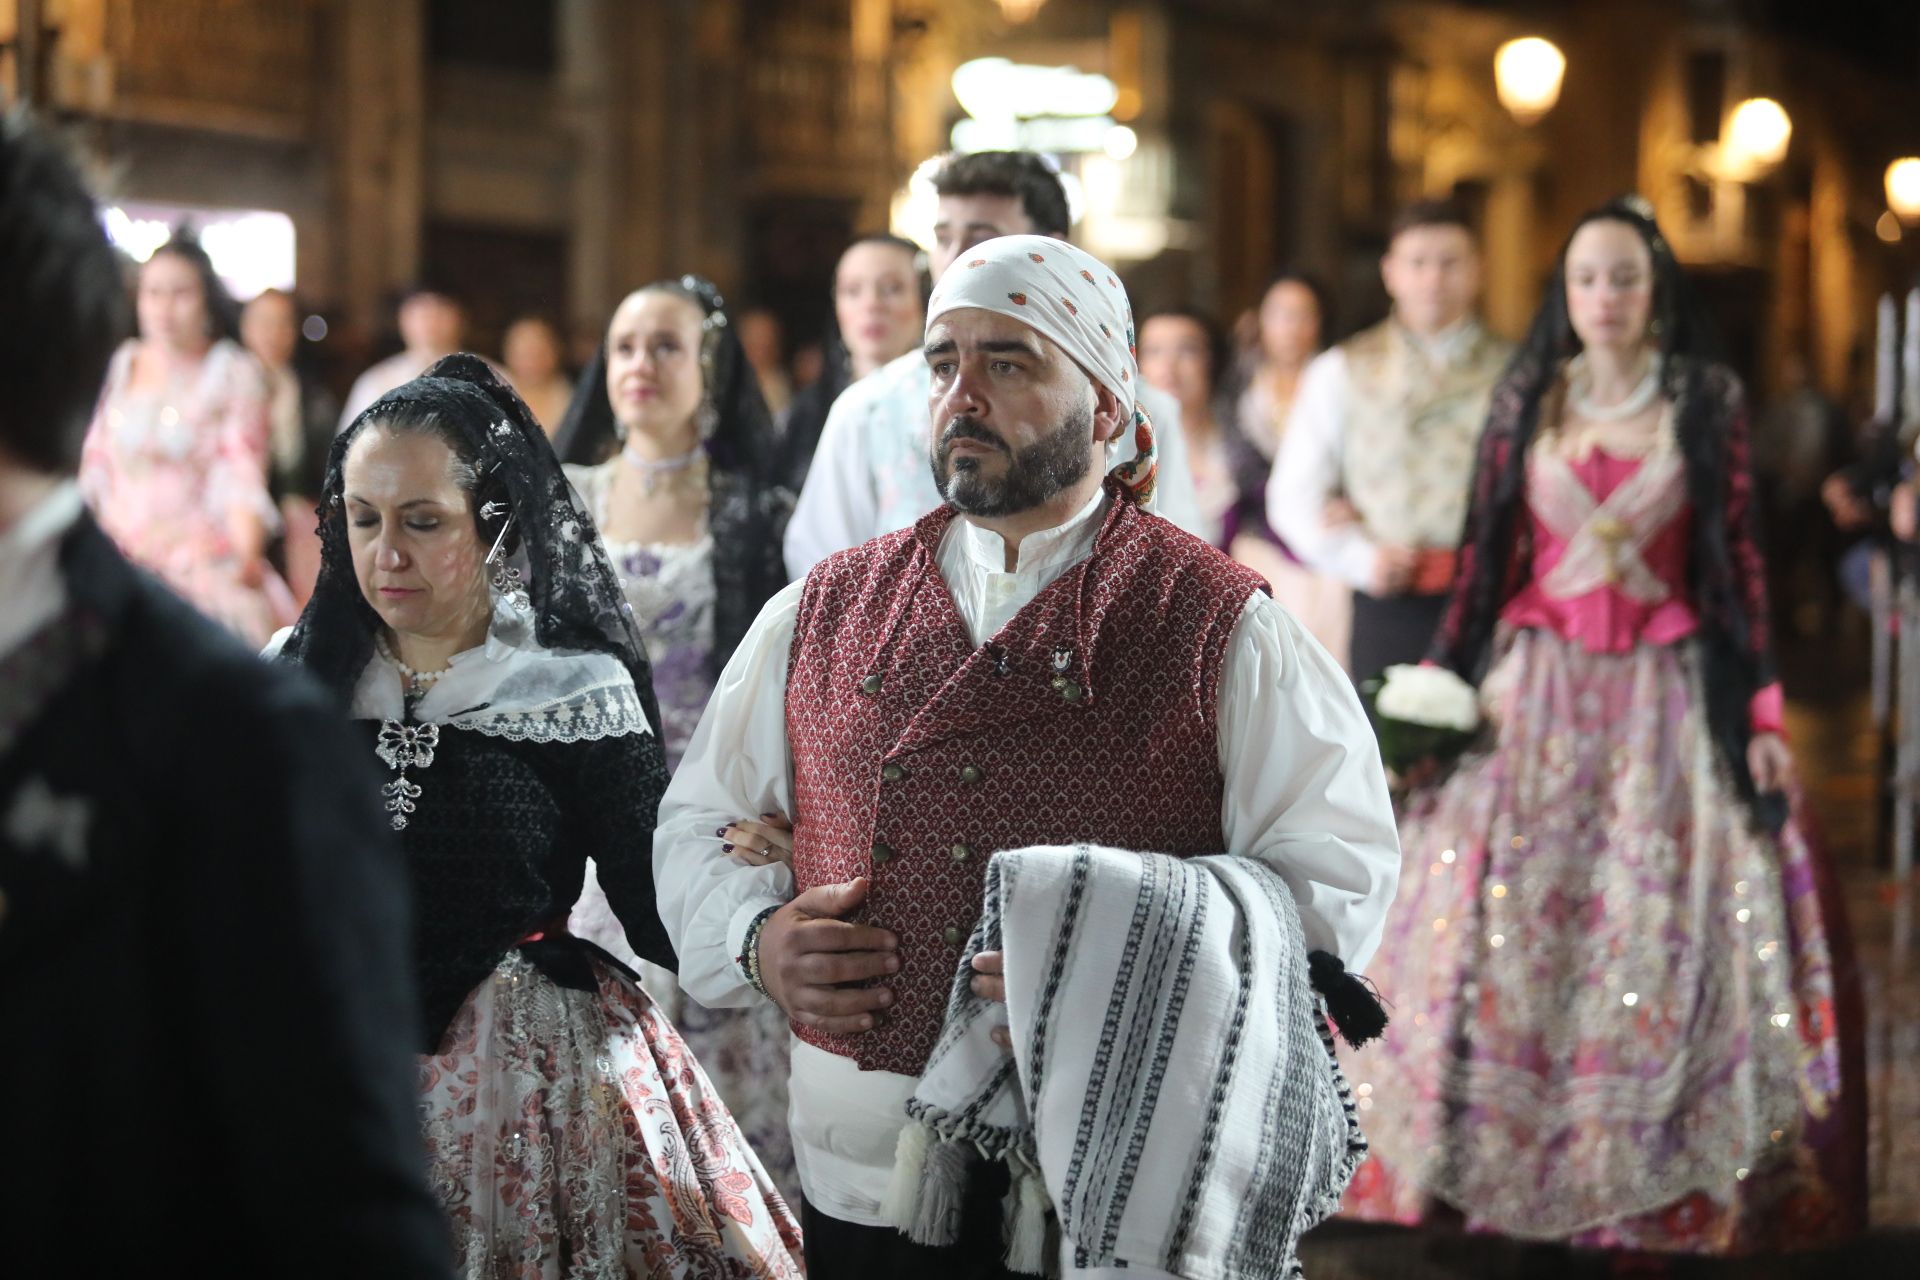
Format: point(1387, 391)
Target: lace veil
point(569, 598)
point(749, 504)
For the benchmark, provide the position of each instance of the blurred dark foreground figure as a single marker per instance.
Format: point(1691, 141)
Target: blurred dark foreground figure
point(203, 982)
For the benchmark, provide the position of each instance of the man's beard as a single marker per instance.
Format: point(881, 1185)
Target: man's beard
point(1055, 462)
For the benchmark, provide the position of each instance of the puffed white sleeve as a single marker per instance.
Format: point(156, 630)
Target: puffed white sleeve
point(1306, 476)
point(837, 507)
point(737, 766)
point(1305, 790)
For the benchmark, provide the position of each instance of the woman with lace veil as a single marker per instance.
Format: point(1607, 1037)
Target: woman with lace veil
point(1619, 975)
point(672, 450)
point(468, 619)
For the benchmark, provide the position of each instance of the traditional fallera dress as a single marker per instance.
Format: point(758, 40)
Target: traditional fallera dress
point(1616, 1002)
point(164, 469)
point(569, 1130)
point(672, 591)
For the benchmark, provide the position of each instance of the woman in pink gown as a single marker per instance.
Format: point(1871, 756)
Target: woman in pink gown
point(1616, 968)
point(175, 463)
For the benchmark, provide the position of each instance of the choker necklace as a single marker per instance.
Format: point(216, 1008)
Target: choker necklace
point(654, 473)
point(1580, 387)
point(418, 682)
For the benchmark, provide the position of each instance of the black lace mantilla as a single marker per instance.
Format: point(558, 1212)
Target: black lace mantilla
point(750, 504)
point(575, 595)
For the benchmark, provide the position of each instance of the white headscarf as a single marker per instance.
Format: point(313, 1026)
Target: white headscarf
point(1075, 300)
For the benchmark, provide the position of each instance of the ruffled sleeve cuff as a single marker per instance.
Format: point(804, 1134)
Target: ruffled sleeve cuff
point(1767, 712)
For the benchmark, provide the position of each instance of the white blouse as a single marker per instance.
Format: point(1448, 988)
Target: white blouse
point(1304, 792)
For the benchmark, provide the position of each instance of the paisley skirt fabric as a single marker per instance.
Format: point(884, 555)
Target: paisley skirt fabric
point(571, 1134)
point(745, 1052)
point(1616, 1002)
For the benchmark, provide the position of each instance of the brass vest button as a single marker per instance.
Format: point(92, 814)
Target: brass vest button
point(892, 772)
point(882, 854)
point(1067, 689)
point(871, 685)
point(953, 936)
point(961, 853)
point(972, 773)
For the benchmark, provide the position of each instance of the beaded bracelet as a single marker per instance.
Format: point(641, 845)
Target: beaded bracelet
point(749, 957)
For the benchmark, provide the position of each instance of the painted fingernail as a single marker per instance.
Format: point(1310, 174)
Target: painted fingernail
point(720, 831)
point(727, 848)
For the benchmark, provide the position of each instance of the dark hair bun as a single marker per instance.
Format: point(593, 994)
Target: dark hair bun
point(464, 366)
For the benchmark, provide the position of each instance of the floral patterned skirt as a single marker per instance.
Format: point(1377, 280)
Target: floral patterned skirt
point(745, 1052)
point(571, 1134)
point(1613, 997)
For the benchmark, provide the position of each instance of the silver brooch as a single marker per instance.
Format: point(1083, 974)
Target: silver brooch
point(402, 746)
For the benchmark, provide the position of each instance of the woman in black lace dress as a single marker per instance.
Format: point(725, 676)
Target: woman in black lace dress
point(467, 616)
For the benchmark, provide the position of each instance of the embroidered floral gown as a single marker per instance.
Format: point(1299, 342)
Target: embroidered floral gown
point(162, 470)
point(570, 1132)
point(1614, 993)
point(745, 1051)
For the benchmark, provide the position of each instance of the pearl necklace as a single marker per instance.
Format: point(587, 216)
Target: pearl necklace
point(1580, 390)
point(418, 681)
point(654, 472)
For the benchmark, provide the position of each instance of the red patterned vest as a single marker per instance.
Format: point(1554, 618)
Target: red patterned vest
point(1090, 716)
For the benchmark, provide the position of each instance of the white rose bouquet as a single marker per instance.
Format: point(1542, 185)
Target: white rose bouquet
point(1421, 713)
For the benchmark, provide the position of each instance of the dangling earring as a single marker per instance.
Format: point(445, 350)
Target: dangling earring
point(506, 579)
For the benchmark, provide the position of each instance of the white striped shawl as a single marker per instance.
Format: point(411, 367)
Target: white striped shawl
point(1172, 1100)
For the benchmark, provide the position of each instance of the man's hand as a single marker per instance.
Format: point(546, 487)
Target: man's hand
point(1339, 512)
point(990, 983)
point(807, 952)
point(1393, 569)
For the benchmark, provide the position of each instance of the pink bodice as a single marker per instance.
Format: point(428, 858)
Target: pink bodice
point(1609, 617)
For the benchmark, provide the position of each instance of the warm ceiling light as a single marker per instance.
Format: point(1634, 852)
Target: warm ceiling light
point(1903, 187)
point(1019, 10)
point(1888, 228)
point(1526, 74)
point(1758, 133)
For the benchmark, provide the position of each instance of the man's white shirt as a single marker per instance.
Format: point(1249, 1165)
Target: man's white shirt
point(1304, 792)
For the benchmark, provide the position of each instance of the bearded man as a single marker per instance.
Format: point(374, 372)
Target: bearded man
point(1039, 661)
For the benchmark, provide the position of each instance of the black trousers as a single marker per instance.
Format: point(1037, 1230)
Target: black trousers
point(839, 1250)
point(1389, 630)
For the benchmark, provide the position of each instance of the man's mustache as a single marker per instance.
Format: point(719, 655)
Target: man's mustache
point(965, 428)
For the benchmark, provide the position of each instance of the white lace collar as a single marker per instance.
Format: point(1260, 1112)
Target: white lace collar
point(510, 687)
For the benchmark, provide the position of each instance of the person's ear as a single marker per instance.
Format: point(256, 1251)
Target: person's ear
point(1111, 415)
